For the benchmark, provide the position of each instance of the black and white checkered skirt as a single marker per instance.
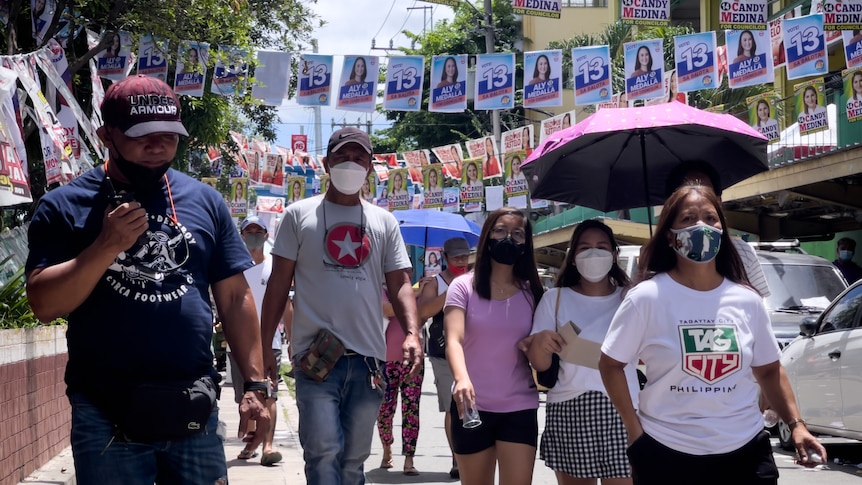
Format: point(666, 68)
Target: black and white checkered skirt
point(584, 437)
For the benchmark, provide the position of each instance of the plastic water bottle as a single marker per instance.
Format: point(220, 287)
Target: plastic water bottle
point(770, 418)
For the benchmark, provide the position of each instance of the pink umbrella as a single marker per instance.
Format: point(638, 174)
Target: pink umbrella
point(621, 158)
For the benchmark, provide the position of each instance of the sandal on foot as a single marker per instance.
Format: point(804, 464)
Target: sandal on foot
point(454, 473)
point(411, 471)
point(386, 463)
point(246, 454)
point(270, 459)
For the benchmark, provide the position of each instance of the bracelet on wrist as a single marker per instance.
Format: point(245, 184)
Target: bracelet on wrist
point(256, 386)
point(793, 422)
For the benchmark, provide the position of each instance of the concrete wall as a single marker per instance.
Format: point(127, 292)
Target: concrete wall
point(35, 417)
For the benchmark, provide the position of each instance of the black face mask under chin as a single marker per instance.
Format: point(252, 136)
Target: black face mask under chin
point(505, 251)
point(140, 178)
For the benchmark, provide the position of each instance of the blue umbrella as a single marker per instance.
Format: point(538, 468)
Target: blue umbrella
point(431, 228)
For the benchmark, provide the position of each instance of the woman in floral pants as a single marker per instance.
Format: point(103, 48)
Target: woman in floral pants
point(398, 378)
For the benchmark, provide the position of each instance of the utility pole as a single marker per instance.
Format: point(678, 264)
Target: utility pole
point(424, 16)
point(489, 48)
point(318, 131)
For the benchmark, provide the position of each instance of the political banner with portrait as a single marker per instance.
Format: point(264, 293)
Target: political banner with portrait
point(655, 13)
point(743, 15)
point(270, 204)
point(450, 156)
point(516, 182)
point(191, 72)
point(485, 149)
point(433, 260)
point(415, 161)
point(472, 187)
point(153, 57)
point(315, 80)
point(449, 81)
point(644, 66)
point(763, 115)
point(399, 198)
point(695, 61)
point(811, 106)
point(358, 86)
point(113, 62)
point(323, 185)
point(748, 58)
point(845, 22)
point(805, 46)
point(495, 81)
point(369, 188)
point(534, 8)
point(230, 69)
point(433, 185)
point(238, 201)
point(518, 139)
point(670, 89)
point(388, 159)
point(554, 124)
point(273, 169)
point(853, 91)
point(853, 48)
point(617, 101)
point(295, 188)
point(451, 199)
point(591, 73)
point(404, 82)
point(545, 87)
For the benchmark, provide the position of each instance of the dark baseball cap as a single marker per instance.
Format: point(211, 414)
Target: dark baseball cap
point(456, 246)
point(348, 135)
point(142, 105)
point(252, 220)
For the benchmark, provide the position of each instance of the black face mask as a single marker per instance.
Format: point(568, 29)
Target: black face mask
point(505, 251)
point(140, 178)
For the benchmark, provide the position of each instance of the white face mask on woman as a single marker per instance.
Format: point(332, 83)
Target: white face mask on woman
point(348, 177)
point(594, 264)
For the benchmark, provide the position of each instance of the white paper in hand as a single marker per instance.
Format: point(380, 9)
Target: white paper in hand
point(577, 350)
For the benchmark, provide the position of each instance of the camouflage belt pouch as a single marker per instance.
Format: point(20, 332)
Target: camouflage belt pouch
point(321, 356)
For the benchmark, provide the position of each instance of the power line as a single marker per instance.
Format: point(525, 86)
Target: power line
point(384, 20)
point(409, 11)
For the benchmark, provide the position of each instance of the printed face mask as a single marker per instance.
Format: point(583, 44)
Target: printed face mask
point(348, 177)
point(505, 251)
point(594, 264)
point(699, 243)
point(845, 255)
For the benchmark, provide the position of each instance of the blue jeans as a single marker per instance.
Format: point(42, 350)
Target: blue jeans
point(102, 459)
point(336, 421)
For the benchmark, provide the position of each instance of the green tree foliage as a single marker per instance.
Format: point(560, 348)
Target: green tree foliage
point(464, 34)
point(248, 24)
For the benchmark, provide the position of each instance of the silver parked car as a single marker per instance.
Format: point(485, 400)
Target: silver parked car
point(823, 366)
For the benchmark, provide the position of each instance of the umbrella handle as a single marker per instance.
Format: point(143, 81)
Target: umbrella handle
point(646, 179)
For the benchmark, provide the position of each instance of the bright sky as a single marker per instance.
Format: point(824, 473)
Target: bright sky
point(349, 28)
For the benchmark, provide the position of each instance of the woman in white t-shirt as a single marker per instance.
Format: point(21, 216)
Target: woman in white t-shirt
point(707, 344)
point(487, 315)
point(579, 415)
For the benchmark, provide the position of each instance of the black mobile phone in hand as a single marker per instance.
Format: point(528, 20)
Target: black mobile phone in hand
point(121, 198)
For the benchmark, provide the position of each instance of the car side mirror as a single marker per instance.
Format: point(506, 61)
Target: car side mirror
point(808, 326)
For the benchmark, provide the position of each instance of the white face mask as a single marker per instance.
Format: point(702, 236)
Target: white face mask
point(348, 177)
point(594, 264)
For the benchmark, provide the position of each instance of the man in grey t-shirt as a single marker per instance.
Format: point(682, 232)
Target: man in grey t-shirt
point(340, 251)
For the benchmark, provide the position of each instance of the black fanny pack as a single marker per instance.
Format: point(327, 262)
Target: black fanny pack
point(162, 411)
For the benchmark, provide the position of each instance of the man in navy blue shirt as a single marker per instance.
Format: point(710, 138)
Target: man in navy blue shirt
point(130, 252)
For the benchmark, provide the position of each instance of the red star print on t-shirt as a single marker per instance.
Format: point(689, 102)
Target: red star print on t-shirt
point(347, 245)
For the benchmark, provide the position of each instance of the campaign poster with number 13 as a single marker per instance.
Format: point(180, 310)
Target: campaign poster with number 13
point(592, 74)
point(495, 81)
point(404, 79)
point(805, 46)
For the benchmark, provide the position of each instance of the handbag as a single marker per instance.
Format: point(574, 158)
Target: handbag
point(163, 411)
point(322, 356)
point(548, 377)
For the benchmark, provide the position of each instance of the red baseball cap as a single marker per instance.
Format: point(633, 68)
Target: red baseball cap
point(142, 105)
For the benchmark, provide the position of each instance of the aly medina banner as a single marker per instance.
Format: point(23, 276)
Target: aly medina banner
point(742, 15)
point(448, 84)
point(537, 8)
point(358, 91)
point(315, 80)
point(495, 81)
point(404, 80)
point(748, 58)
point(853, 48)
point(544, 87)
point(644, 64)
point(805, 46)
point(842, 14)
point(654, 13)
point(811, 106)
point(695, 60)
point(591, 68)
point(191, 68)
